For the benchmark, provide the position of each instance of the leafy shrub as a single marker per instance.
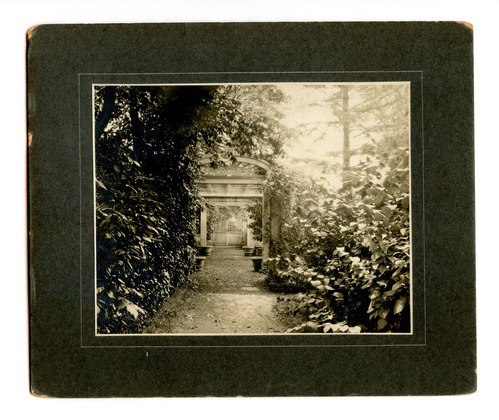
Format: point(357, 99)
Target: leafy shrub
point(255, 210)
point(287, 276)
point(354, 248)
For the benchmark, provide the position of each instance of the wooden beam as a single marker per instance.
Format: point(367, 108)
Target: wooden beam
point(229, 195)
point(232, 180)
point(260, 163)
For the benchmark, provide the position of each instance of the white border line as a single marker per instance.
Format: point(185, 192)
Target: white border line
point(94, 205)
point(423, 205)
point(259, 83)
point(257, 72)
point(263, 345)
point(80, 241)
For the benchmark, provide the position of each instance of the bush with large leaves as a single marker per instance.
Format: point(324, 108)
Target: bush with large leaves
point(350, 249)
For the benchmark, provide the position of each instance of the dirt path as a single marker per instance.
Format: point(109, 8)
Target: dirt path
point(226, 297)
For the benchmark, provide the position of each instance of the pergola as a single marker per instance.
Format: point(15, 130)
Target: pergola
point(236, 190)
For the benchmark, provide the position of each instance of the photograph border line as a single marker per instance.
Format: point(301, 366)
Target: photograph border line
point(263, 334)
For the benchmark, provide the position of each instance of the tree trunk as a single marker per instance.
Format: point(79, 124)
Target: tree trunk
point(346, 127)
point(137, 129)
point(103, 118)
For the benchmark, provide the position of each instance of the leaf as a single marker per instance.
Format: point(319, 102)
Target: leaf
point(344, 328)
point(383, 313)
point(382, 323)
point(106, 220)
point(335, 327)
point(387, 211)
point(101, 185)
point(397, 273)
point(404, 203)
point(311, 326)
point(399, 305)
point(134, 310)
point(380, 217)
point(397, 286)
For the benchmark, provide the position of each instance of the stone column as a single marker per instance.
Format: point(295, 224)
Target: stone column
point(204, 228)
point(245, 231)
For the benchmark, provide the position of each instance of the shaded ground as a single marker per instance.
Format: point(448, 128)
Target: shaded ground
point(226, 297)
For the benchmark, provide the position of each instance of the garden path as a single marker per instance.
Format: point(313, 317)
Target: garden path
point(226, 297)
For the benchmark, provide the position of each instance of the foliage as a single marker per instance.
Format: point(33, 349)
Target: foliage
point(376, 112)
point(210, 220)
point(148, 143)
point(346, 251)
point(255, 211)
point(243, 120)
point(144, 159)
point(350, 248)
point(284, 188)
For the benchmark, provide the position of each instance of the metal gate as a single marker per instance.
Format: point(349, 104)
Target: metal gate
point(228, 232)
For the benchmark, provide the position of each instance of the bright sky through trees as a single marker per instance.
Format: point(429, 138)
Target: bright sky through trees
point(313, 124)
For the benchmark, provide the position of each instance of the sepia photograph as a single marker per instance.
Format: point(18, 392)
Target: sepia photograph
point(273, 209)
point(252, 208)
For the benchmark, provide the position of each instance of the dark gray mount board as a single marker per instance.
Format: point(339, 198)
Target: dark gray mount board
point(68, 360)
